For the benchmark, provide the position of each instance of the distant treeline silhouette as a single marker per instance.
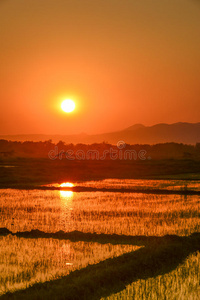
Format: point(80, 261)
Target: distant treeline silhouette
point(9, 149)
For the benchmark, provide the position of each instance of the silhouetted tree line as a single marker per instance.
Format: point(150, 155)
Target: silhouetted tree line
point(60, 150)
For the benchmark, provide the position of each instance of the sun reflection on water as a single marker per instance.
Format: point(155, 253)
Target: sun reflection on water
point(66, 194)
point(66, 184)
point(66, 203)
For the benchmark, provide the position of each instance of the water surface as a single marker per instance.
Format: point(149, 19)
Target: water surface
point(138, 184)
point(100, 212)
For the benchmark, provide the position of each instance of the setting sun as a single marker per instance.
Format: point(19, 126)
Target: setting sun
point(68, 105)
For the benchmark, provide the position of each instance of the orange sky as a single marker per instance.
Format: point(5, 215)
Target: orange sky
point(123, 62)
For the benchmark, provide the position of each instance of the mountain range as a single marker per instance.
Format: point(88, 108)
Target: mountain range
point(181, 132)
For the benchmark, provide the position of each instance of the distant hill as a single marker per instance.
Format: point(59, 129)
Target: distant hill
point(135, 127)
point(186, 133)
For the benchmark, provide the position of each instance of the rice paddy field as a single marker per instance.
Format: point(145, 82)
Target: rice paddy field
point(27, 261)
point(182, 283)
point(110, 220)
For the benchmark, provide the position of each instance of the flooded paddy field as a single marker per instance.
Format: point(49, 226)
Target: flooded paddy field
point(107, 225)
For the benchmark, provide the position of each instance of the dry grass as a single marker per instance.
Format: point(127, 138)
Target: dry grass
point(180, 284)
point(100, 212)
point(24, 262)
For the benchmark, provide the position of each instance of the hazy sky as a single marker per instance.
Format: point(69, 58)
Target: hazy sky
point(122, 61)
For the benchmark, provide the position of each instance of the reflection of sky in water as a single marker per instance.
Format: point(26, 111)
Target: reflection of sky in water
point(66, 198)
point(135, 184)
point(144, 184)
point(66, 194)
point(100, 212)
point(25, 261)
point(66, 184)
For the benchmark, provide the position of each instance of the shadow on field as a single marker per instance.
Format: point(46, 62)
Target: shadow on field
point(159, 255)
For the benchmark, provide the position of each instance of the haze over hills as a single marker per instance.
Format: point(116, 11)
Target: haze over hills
point(186, 133)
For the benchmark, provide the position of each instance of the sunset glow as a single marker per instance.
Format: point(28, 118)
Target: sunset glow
point(113, 66)
point(99, 149)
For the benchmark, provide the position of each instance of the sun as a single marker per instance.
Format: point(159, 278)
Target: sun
point(68, 105)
